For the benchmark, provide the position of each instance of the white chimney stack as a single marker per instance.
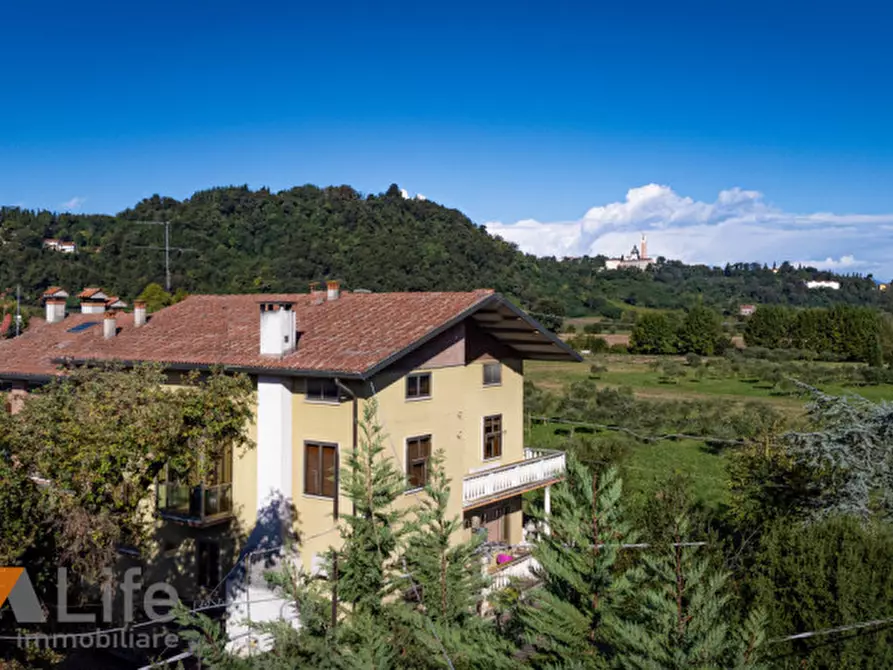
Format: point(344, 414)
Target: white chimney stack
point(333, 290)
point(139, 314)
point(55, 309)
point(278, 328)
point(109, 325)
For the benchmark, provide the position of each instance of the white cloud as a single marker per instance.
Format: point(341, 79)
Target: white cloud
point(738, 226)
point(74, 203)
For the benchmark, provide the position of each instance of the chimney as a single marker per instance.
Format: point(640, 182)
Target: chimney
point(139, 313)
point(333, 289)
point(92, 301)
point(278, 330)
point(109, 325)
point(55, 309)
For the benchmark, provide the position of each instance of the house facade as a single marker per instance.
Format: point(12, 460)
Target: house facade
point(445, 371)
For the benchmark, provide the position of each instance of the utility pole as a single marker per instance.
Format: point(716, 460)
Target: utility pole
point(167, 248)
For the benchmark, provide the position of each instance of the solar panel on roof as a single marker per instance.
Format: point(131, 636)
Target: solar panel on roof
point(83, 326)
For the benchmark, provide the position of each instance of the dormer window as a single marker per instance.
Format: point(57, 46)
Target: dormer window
point(418, 386)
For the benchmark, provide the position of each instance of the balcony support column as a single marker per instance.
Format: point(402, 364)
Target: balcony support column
point(547, 507)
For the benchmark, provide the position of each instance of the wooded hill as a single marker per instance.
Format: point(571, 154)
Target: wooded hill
point(239, 240)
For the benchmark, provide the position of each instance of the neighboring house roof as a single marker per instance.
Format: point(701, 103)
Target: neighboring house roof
point(92, 294)
point(355, 336)
point(55, 292)
point(115, 302)
point(4, 325)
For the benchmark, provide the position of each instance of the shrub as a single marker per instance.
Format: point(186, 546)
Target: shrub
point(570, 328)
point(618, 349)
point(592, 328)
point(692, 360)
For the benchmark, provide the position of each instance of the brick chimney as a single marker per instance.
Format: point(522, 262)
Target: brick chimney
point(278, 329)
point(109, 325)
point(333, 289)
point(139, 313)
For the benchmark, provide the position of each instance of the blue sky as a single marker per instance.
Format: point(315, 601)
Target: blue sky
point(532, 112)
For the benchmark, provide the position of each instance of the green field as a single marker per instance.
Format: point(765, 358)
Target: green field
point(648, 463)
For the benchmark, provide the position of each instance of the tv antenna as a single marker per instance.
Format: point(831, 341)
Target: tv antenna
point(167, 248)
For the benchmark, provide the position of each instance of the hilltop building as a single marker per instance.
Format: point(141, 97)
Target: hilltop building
point(746, 310)
point(637, 258)
point(446, 371)
point(835, 285)
point(59, 245)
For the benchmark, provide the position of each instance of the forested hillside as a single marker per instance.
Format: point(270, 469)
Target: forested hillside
point(238, 240)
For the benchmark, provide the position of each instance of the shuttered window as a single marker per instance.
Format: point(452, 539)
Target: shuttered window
point(320, 463)
point(418, 451)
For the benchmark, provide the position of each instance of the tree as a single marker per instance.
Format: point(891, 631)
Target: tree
point(101, 436)
point(700, 331)
point(569, 620)
point(768, 327)
point(372, 532)
point(653, 333)
point(446, 575)
point(685, 618)
point(155, 297)
point(835, 572)
point(447, 583)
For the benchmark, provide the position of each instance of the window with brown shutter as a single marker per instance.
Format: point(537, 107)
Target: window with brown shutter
point(418, 451)
point(320, 464)
point(492, 436)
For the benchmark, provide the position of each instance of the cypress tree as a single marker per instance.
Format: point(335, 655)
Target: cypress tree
point(373, 532)
point(685, 618)
point(568, 620)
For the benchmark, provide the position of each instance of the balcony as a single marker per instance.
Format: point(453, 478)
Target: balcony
point(194, 505)
point(539, 468)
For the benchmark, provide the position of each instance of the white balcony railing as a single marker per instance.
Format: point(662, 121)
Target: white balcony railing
point(539, 467)
point(520, 569)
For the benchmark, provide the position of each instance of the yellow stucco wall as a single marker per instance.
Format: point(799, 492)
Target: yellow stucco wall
point(453, 416)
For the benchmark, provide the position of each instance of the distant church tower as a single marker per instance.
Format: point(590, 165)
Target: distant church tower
point(643, 253)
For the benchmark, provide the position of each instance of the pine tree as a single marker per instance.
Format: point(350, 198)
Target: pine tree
point(685, 617)
point(373, 532)
point(569, 619)
point(447, 582)
point(446, 575)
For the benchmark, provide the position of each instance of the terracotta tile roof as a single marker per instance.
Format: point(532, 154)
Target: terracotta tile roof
point(88, 293)
point(350, 335)
point(53, 291)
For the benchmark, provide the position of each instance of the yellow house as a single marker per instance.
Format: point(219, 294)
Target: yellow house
point(445, 369)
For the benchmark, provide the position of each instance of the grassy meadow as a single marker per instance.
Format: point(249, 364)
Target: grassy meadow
point(649, 462)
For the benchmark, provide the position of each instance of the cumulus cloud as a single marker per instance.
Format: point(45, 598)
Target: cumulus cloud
point(738, 226)
point(74, 203)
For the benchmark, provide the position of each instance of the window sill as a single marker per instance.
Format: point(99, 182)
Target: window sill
point(313, 496)
point(311, 401)
point(494, 384)
point(418, 489)
point(492, 458)
point(419, 398)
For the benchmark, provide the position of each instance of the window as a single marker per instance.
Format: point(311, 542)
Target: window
point(492, 436)
point(418, 450)
point(322, 390)
point(492, 374)
point(418, 386)
point(208, 564)
point(320, 463)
